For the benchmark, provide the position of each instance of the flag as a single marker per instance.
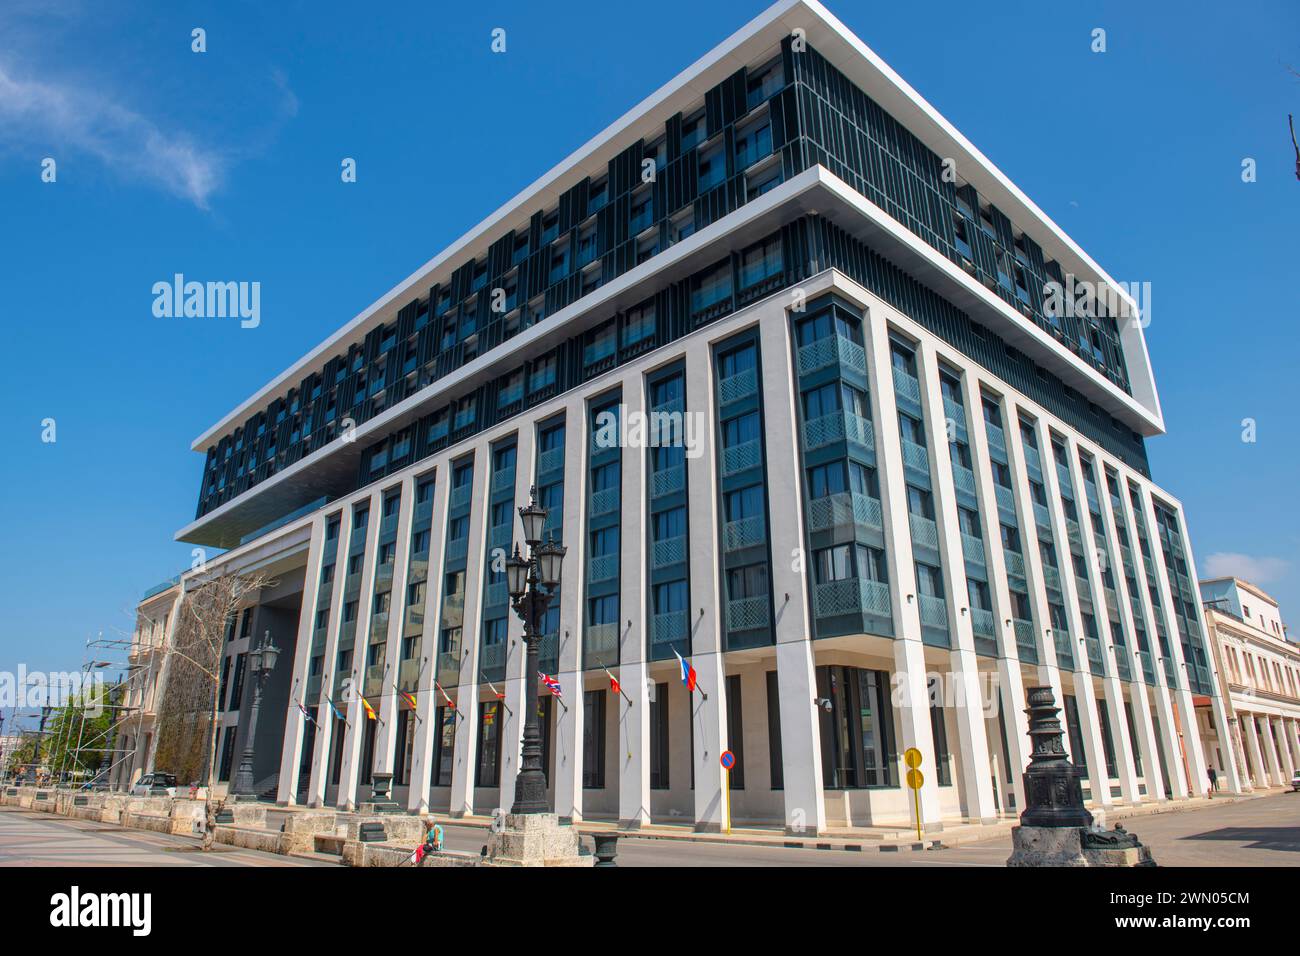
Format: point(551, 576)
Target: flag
point(410, 699)
point(336, 710)
point(688, 672)
point(445, 698)
point(417, 856)
point(552, 684)
point(370, 711)
point(306, 713)
point(613, 682)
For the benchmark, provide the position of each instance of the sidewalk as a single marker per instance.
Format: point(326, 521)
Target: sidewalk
point(883, 839)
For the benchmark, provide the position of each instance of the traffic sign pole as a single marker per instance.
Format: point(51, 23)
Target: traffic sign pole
point(728, 760)
point(915, 779)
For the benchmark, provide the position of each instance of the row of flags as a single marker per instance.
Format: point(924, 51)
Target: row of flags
point(688, 675)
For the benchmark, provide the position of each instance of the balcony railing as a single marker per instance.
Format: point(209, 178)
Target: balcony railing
point(972, 548)
point(494, 595)
point(448, 671)
point(744, 614)
point(600, 645)
point(963, 478)
point(1051, 577)
point(671, 627)
point(916, 459)
point(408, 674)
point(499, 536)
point(954, 412)
point(925, 533)
point(736, 387)
point(457, 549)
point(743, 533)
point(374, 681)
point(492, 657)
point(982, 623)
point(1006, 500)
point(603, 502)
point(934, 611)
point(831, 350)
point(742, 457)
point(906, 385)
point(1026, 646)
point(603, 567)
point(997, 440)
point(459, 496)
point(504, 480)
point(551, 460)
point(1015, 563)
point(1041, 516)
point(548, 652)
point(838, 426)
point(668, 480)
point(668, 551)
point(851, 596)
point(844, 509)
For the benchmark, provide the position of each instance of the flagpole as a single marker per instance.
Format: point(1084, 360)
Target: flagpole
point(619, 684)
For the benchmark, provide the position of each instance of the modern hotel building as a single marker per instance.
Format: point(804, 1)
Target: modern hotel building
point(908, 467)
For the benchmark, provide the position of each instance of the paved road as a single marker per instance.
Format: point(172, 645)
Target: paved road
point(32, 838)
point(1258, 832)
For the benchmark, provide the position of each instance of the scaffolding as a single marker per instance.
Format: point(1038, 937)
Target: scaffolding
point(99, 746)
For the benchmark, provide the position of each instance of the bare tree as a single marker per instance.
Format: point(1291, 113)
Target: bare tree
point(190, 698)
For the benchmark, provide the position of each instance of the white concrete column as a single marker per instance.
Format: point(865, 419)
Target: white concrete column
point(1191, 737)
point(516, 703)
point(1084, 697)
point(1049, 672)
point(391, 707)
point(1271, 757)
point(633, 704)
point(465, 761)
point(977, 787)
point(1239, 752)
point(1145, 743)
point(1093, 557)
point(1010, 676)
point(1289, 728)
point(1258, 766)
point(568, 710)
point(709, 715)
point(323, 745)
point(803, 793)
point(1284, 751)
point(910, 684)
point(351, 704)
point(427, 696)
point(1167, 737)
point(294, 721)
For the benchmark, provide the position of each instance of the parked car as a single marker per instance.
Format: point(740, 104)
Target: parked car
point(1295, 781)
point(155, 785)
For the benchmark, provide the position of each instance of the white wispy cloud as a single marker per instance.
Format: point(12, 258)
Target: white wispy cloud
point(64, 116)
point(1256, 570)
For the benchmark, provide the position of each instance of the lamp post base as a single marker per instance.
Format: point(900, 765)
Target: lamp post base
point(536, 839)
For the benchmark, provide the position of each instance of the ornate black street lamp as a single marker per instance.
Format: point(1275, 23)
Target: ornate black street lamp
point(533, 583)
point(261, 661)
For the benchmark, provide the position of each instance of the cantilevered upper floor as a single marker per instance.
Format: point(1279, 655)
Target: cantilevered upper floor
point(788, 149)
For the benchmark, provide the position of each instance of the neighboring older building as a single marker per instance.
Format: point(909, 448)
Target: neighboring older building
point(1259, 668)
point(155, 622)
point(768, 245)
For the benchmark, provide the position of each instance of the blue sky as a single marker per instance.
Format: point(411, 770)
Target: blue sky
point(225, 165)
